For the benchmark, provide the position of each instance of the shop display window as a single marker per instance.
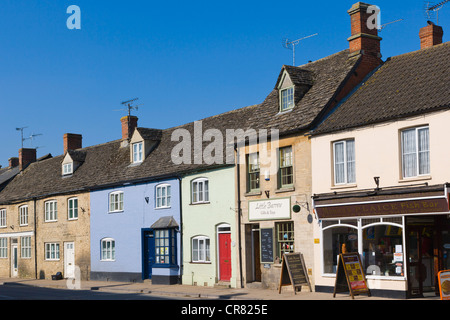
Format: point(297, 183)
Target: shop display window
point(338, 240)
point(383, 250)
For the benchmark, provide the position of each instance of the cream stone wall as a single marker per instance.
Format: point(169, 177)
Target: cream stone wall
point(300, 193)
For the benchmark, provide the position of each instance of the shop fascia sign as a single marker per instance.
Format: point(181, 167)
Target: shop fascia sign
point(385, 207)
point(271, 209)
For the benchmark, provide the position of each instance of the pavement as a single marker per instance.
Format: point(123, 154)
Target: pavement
point(188, 291)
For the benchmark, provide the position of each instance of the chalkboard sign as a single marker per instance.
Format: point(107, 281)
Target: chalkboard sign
point(293, 272)
point(350, 275)
point(266, 236)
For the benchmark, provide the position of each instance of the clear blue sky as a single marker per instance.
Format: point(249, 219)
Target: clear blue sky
point(184, 60)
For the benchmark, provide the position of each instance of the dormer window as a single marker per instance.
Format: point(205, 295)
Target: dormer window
point(138, 151)
point(67, 168)
point(287, 99)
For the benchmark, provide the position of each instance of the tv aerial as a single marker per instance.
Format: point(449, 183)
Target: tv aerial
point(288, 44)
point(380, 28)
point(129, 105)
point(21, 134)
point(431, 9)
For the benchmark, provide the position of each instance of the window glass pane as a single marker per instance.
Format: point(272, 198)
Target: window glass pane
point(409, 153)
point(337, 240)
point(383, 250)
point(350, 144)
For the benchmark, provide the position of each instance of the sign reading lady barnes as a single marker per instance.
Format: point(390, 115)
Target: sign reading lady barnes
point(271, 209)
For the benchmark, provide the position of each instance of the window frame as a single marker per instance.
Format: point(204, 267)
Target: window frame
point(3, 248)
point(416, 153)
point(50, 216)
point(115, 204)
point(3, 218)
point(67, 168)
point(195, 195)
point(74, 209)
point(23, 215)
point(282, 167)
point(109, 253)
point(169, 245)
point(253, 175)
point(137, 155)
point(345, 162)
point(287, 100)
point(279, 238)
point(166, 198)
point(52, 251)
point(25, 247)
point(204, 252)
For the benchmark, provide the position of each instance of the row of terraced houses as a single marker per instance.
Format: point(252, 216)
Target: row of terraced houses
point(354, 158)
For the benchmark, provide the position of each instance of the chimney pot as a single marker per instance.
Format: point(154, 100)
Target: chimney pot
point(72, 141)
point(26, 156)
point(129, 123)
point(430, 35)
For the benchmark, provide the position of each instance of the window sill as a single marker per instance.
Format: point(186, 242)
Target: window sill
point(116, 211)
point(344, 186)
point(162, 208)
point(413, 179)
point(201, 262)
point(199, 203)
point(285, 189)
point(252, 193)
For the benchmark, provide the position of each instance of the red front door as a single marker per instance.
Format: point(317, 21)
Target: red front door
point(225, 256)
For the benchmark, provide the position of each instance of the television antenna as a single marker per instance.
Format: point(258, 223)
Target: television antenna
point(129, 106)
point(32, 136)
point(291, 45)
point(21, 134)
point(386, 24)
point(430, 9)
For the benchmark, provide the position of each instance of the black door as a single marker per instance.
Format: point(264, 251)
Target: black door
point(148, 254)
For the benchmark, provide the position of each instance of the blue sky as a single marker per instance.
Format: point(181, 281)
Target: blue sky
point(184, 60)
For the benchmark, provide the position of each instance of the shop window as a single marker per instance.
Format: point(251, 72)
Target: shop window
point(285, 238)
point(383, 250)
point(165, 246)
point(338, 239)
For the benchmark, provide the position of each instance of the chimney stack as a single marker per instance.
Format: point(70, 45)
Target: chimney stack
point(364, 39)
point(26, 156)
point(72, 141)
point(129, 123)
point(13, 162)
point(430, 35)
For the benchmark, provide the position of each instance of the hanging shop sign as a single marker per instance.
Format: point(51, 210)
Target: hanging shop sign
point(272, 209)
point(294, 272)
point(444, 284)
point(350, 276)
point(383, 208)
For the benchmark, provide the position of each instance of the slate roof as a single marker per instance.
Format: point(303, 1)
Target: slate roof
point(108, 164)
point(406, 85)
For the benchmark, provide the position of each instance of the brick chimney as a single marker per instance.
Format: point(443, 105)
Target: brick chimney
point(72, 141)
point(364, 39)
point(26, 156)
point(129, 123)
point(430, 35)
point(13, 162)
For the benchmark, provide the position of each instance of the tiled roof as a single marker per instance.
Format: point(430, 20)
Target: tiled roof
point(406, 85)
point(109, 164)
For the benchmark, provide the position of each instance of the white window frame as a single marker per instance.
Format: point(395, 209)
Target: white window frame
point(138, 152)
point(286, 99)
point(4, 247)
point(51, 211)
point(25, 247)
point(67, 168)
point(72, 213)
point(203, 252)
point(345, 163)
point(115, 203)
point(52, 251)
point(416, 152)
point(197, 195)
point(107, 253)
point(23, 215)
point(2, 218)
point(163, 194)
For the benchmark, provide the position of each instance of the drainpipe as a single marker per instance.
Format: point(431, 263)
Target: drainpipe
point(239, 214)
point(181, 230)
point(35, 239)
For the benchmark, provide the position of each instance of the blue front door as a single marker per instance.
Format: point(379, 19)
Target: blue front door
point(148, 253)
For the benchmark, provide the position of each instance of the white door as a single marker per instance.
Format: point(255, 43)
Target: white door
point(69, 260)
point(14, 261)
